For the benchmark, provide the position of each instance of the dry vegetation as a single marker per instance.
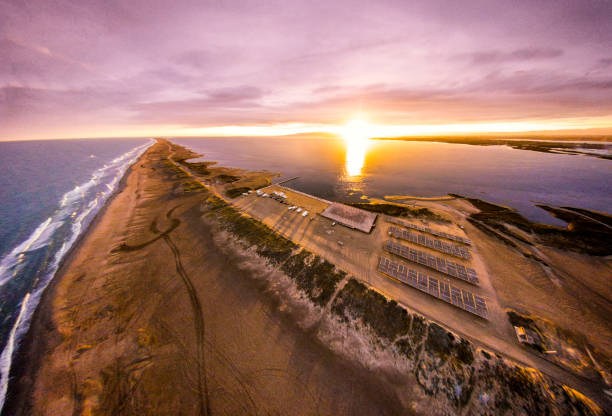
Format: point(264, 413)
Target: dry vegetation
point(396, 210)
point(446, 366)
point(582, 235)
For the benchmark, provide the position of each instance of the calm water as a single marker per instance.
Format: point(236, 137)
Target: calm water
point(49, 192)
point(333, 169)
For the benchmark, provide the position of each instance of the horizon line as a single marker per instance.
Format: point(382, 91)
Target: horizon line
point(532, 134)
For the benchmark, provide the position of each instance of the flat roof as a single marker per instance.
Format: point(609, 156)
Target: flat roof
point(350, 216)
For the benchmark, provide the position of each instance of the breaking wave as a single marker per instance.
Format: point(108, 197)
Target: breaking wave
point(26, 270)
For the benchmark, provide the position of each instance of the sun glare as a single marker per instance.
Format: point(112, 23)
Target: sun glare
point(357, 130)
point(356, 134)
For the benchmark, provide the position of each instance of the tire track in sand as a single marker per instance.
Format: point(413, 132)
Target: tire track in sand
point(198, 321)
point(198, 316)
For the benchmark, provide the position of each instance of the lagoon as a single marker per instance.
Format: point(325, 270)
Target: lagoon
point(347, 171)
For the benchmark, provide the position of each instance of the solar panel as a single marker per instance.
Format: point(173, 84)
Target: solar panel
point(445, 292)
point(433, 287)
point(468, 301)
point(422, 282)
point(431, 262)
point(432, 243)
point(456, 297)
point(443, 266)
point(430, 231)
point(450, 294)
point(412, 278)
point(481, 306)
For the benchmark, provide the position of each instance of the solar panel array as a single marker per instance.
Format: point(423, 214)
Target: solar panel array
point(460, 298)
point(430, 231)
point(433, 243)
point(443, 266)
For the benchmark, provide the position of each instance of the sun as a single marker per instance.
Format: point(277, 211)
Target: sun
point(357, 130)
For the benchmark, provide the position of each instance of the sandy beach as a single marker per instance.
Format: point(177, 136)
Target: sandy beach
point(305, 208)
point(158, 310)
point(148, 317)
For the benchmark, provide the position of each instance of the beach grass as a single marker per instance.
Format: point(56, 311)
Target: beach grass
point(396, 210)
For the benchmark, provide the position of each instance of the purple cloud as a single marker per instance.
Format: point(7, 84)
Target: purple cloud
point(524, 54)
point(201, 63)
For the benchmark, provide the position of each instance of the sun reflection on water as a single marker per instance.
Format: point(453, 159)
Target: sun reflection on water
point(356, 151)
point(356, 138)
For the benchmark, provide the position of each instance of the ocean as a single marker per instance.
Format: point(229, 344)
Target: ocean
point(50, 191)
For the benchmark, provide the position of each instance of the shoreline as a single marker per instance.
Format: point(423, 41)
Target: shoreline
point(457, 206)
point(153, 340)
point(28, 356)
point(559, 146)
point(510, 190)
point(180, 193)
point(275, 223)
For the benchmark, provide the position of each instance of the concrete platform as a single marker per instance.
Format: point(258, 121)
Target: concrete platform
point(351, 217)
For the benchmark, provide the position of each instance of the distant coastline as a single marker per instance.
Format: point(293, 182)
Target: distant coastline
point(180, 237)
point(588, 146)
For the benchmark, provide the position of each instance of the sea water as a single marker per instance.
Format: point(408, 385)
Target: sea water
point(50, 191)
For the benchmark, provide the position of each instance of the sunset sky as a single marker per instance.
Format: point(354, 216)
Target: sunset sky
point(86, 68)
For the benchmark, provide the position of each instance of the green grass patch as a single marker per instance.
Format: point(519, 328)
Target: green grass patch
point(200, 168)
point(178, 172)
point(234, 192)
point(193, 186)
point(227, 178)
point(269, 244)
